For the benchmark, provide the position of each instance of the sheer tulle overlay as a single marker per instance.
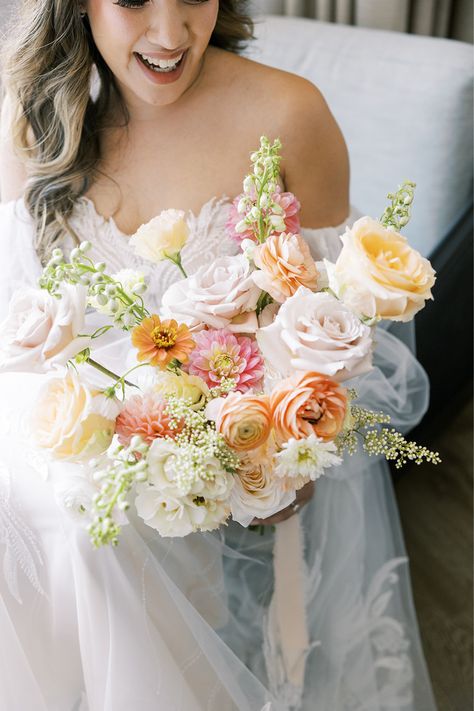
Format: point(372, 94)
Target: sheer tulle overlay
point(183, 625)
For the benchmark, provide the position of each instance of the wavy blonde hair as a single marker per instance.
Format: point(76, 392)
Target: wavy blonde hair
point(47, 70)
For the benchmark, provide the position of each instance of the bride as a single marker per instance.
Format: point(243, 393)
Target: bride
point(115, 110)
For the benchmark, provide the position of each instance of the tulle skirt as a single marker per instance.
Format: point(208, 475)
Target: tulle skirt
point(183, 624)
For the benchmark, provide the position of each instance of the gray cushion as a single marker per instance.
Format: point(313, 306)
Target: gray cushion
point(404, 104)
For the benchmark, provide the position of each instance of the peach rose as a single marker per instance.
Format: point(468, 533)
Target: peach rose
point(244, 420)
point(285, 263)
point(378, 274)
point(308, 403)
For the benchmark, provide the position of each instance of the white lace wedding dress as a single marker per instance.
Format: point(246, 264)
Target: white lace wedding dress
point(182, 625)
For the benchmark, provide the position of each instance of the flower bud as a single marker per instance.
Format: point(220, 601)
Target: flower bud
point(75, 254)
point(404, 220)
point(241, 226)
point(128, 319)
point(139, 288)
point(242, 206)
point(249, 184)
point(85, 246)
point(102, 299)
point(101, 266)
point(111, 290)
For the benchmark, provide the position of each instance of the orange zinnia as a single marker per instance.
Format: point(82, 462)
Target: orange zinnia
point(159, 342)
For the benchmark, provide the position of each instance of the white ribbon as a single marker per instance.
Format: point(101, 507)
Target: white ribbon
point(288, 629)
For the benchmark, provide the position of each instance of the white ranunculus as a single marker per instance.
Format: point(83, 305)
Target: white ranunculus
point(41, 331)
point(316, 332)
point(378, 274)
point(162, 503)
point(214, 295)
point(164, 236)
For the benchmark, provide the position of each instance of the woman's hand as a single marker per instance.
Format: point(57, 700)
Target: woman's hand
point(302, 497)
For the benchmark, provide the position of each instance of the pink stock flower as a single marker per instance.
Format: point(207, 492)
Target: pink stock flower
point(221, 354)
point(145, 415)
point(287, 201)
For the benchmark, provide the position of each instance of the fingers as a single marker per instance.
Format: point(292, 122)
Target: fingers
point(303, 496)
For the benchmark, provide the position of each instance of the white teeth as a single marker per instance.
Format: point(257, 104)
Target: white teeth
point(162, 64)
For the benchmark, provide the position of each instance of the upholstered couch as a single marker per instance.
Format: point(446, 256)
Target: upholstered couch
point(404, 104)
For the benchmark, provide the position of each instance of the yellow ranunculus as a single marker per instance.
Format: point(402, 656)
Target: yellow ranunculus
point(164, 236)
point(183, 386)
point(71, 420)
point(378, 274)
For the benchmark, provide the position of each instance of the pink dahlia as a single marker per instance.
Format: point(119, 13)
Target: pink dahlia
point(287, 201)
point(221, 354)
point(145, 415)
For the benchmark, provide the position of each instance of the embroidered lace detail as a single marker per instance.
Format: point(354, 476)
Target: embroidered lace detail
point(21, 548)
point(392, 667)
point(207, 240)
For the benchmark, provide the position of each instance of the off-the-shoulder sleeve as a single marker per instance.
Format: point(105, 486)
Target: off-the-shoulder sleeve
point(324, 242)
point(19, 263)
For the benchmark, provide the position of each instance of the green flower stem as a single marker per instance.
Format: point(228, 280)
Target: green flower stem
point(176, 259)
point(102, 369)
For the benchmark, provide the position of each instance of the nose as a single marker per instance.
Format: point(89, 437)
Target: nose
point(168, 28)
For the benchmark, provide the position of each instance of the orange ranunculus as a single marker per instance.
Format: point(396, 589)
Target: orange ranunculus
point(245, 420)
point(285, 263)
point(159, 342)
point(308, 403)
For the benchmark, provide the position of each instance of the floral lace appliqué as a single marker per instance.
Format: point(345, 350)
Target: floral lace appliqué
point(21, 551)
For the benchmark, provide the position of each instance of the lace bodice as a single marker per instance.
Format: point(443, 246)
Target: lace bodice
point(207, 240)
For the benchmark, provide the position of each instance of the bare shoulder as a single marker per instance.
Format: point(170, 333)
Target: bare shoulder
point(315, 163)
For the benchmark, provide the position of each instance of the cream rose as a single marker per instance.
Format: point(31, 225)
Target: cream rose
point(378, 274)
point(215, 295)
point(42, 331)
point(188, 387)
point(72, 421)
point(316, 332)
point(164, 236)
point(258, 493)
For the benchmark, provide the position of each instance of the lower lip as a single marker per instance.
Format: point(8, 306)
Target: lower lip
point(162, 77)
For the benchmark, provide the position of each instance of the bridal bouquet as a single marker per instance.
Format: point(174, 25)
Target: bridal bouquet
point(239, 397)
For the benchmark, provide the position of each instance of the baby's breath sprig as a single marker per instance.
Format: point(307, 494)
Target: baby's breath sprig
point(117, 480)
point(396, 448)
point(378, 439)
point(104, 292)
point(199, 443)
point(260, 213)
point(224, 388)
point(397, 215)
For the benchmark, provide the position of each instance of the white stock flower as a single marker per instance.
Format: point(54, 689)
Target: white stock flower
point(164, 236)
point(316, 332)
point(41, 331)
point(215, 295)
point(306, 458)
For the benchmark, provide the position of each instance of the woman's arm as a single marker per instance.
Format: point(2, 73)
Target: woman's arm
point(12, 171)
point(315, 164)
